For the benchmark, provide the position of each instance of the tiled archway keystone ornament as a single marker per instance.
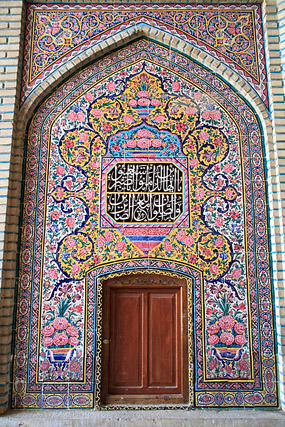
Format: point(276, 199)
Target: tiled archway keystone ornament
point(144, 162)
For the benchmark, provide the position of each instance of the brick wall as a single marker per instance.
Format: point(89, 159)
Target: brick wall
point(10, 46)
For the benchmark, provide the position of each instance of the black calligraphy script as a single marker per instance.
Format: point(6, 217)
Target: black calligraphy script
point(145, 192)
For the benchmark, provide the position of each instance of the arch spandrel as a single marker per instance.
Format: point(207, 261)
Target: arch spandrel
point(230, 36)
point(138, 114)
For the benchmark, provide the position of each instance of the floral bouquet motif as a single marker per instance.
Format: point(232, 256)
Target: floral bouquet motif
point(60, 337)
point(227, 337)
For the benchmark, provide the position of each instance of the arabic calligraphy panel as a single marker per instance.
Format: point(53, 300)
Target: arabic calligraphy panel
point(145, 192)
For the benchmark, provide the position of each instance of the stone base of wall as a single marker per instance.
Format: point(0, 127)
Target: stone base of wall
point(197, 418)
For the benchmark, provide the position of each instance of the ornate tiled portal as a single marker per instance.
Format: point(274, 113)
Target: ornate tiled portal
point(142, 162)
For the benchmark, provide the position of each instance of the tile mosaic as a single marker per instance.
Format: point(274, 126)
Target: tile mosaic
point(143, 162)
point(232, 34)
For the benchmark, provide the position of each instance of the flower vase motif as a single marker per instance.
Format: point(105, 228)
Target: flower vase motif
point(59, 357)
point(226, 337)
point(60, 339)
point(228, 356)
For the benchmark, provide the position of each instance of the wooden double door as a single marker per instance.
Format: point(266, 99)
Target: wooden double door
point(144, 358)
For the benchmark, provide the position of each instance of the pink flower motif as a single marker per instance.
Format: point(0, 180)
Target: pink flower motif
point(194, 163)
point(111, 86)
point(176, 86)
point(227, 338)
point(128, 119)
point(83, 137)
point(101, 241)
point(47, 341)
point(60, 323)
point(204, 135)
point(60, 170)
point(243, 365)
point(159, 118)
point(94, 165)
point(199, 193)
point(144, 143)
point(74, 366)
point(156, 143)
point(239, 328)
point(190, 111)
point(213, 364)
point(213, 329)
point(52, 273)
point(48, 331)
point(70, 243)
point(219, 221)
point(206, 115)
point(60, 339)
point(71, 116)
point(155, 102)
point(80, 116)
point(82, 252)
point(144, 102)
point(75, 269)
point(72, 331)
point(181, 235)
point(55, 215)
point(227, 322)
point(219, 242)
point(198, 96)
point(133, 103)
point(228, 168)
point(70, 222)
point(189, 241)
point(213, 339)
point(236, 273)
point(131, 143)
point(89, 194)
point(143, 94)
point(73, 341)
point(214, 269)
point(78, 308)
point(89, 97)
point(45, 365)
point(97, 112)
point(240, 339)
point(144, 133)
point(168, 246)
point(216, 115)
point(60, 193)
point(109, 236)
point(121, 246)
point(229, 193)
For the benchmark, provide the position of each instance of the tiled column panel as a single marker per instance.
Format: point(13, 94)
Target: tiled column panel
point(10, 44)
point(274, 31)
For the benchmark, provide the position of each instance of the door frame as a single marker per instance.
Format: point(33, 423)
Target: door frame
point(161, 279)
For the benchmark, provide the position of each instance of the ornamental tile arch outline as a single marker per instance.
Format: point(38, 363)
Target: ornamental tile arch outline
point(56, 34)
point(144, 110)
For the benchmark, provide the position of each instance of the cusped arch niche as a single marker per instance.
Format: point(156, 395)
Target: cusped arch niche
point(144, 162)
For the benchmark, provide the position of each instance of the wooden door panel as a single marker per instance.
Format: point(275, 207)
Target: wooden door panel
point(144, 340)
point(125, 340)
point(164, 326)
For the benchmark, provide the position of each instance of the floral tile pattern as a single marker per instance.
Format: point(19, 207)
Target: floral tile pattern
point(143, 162)
point(58, 33)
